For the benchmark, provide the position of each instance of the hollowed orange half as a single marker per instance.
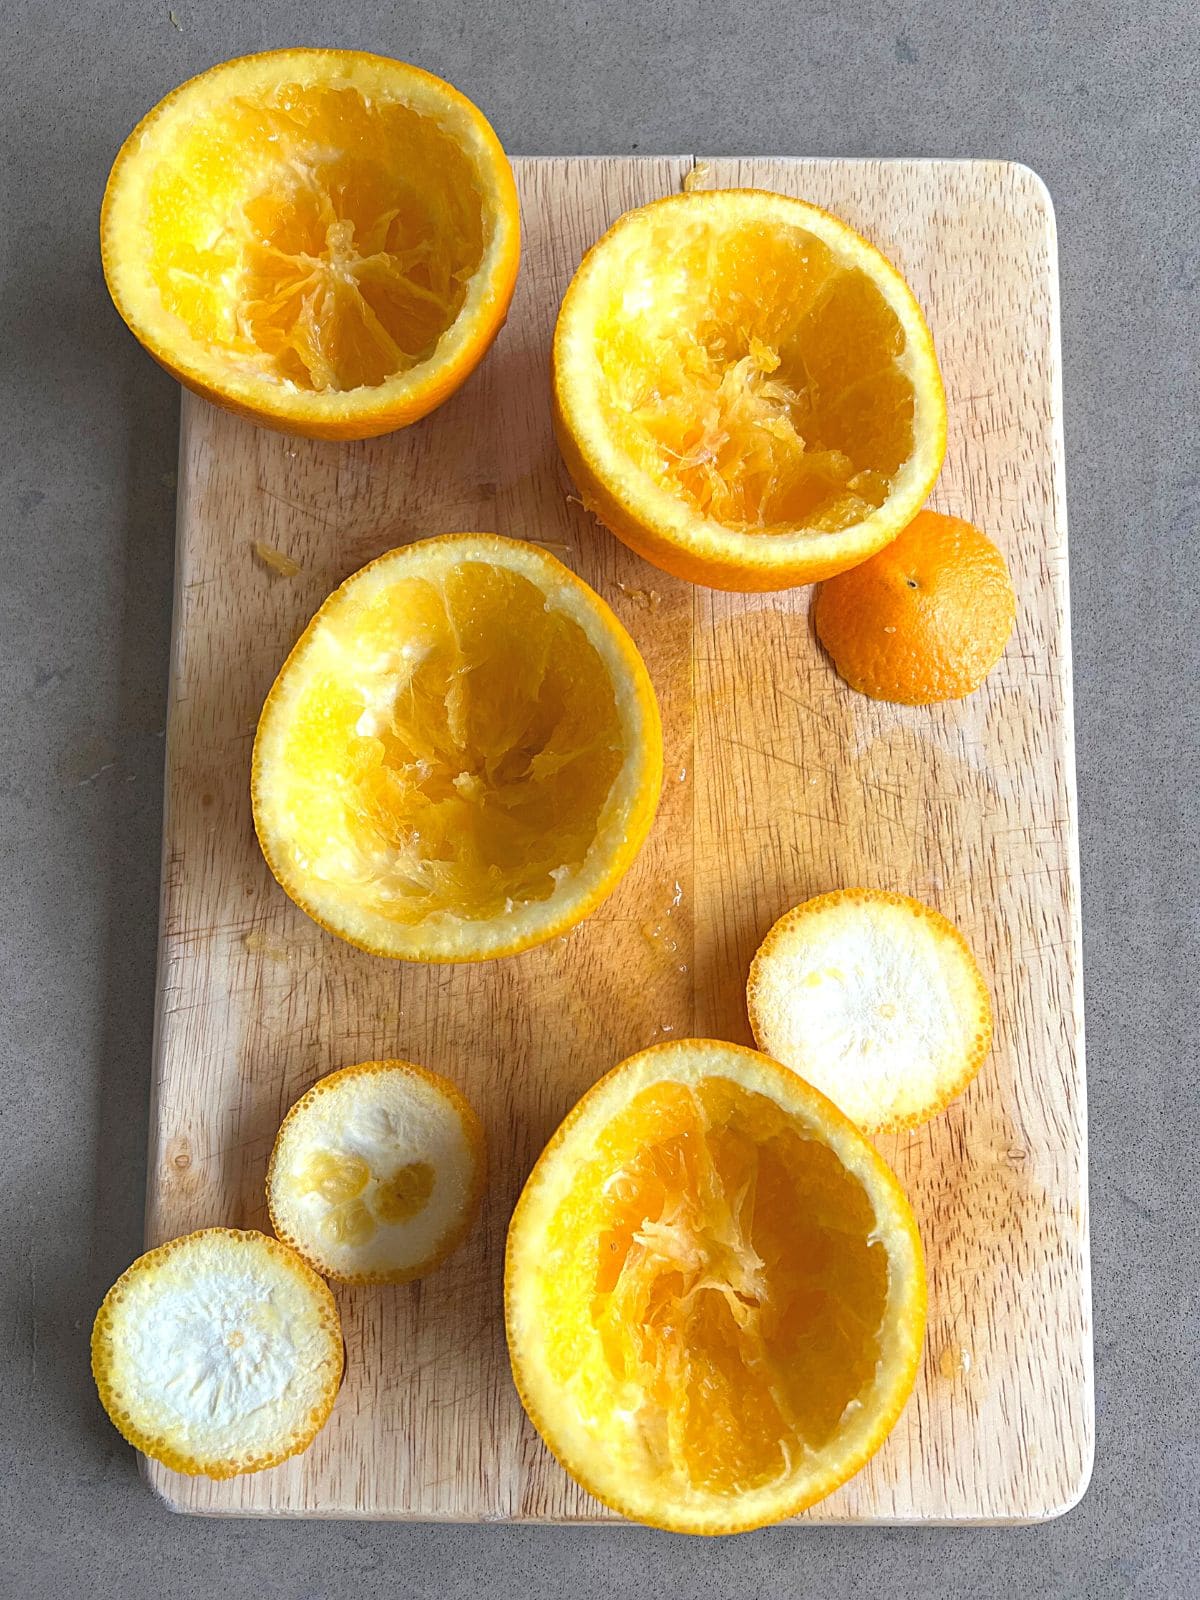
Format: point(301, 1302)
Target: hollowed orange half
point(714, 1291)
point(746, 391)
point(461, 756)
point(322, 240)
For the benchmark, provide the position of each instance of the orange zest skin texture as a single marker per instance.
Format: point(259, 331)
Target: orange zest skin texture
point(714, 1291)
point(323, 241)
point(924, 620)
point(745, 390)
point(462, 755)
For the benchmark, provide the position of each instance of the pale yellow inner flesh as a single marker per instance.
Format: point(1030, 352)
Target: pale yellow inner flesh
point(451, 748)
point(340, 1179)
point(312, 235)
point(755, 375)
point(724, 1292)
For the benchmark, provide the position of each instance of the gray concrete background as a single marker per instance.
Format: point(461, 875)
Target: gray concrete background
point(1096, 98)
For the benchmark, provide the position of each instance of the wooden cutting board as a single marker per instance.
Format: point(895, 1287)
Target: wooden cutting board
point(781, 783)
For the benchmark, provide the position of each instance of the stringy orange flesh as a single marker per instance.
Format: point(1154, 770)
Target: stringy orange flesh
point(457, 752)
point(758, 377)
point(723, 1266)
point(318, 237)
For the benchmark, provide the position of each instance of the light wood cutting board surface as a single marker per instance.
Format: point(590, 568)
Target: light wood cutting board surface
point(781, 783)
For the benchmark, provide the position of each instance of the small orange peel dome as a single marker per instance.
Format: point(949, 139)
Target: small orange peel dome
point(324, 241)
point(714, 1291)
point(377, 1173)
point(461, 756)
point(218, 1353)
point(745, 390)
point(877, 1000)
point(924, 620)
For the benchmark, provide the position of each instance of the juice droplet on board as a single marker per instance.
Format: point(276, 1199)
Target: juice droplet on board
point(954, 1361)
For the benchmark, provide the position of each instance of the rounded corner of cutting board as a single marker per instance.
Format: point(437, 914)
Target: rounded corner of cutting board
point(169, 1489)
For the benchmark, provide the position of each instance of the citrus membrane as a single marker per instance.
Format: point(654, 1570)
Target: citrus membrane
point(714, 1291)
point(462, 754)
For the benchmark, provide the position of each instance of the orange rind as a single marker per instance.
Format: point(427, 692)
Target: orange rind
point(461, 756)
point(877, 1000)
point(377, 1173)
point(745, 390)
point(924, 620)
point(218, 1353)
point(714, 1292)
point(324, 241)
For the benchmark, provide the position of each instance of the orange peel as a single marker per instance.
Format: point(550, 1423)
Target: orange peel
point(377, 1173)
point(714, 1291)
point(324, 241)
point(218, 1353)
point(461, 756)
point(877, 1000)
point(746, 391)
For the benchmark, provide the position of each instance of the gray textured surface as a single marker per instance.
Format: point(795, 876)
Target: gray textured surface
point(1095, 97)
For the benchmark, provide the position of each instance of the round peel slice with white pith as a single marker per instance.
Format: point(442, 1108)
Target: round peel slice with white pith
point(218, 1353)
point(745, 390)
point(377, 1172)
point(875, 999)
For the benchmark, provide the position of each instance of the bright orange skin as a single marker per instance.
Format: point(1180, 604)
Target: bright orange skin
point(926, 619)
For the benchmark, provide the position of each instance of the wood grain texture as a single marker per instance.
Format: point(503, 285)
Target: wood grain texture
point(781, 783)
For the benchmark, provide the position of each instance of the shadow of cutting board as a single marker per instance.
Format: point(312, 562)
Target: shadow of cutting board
point(781, 783)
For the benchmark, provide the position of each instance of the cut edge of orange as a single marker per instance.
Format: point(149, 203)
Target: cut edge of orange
point(356, 413)
point(634, 798)
point(945, 1085)
point(452, 1238)
point(652, 521)
point(184, 1454)
point(907, 1291)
